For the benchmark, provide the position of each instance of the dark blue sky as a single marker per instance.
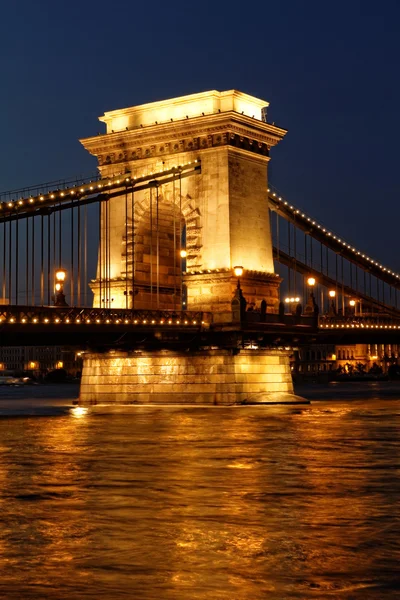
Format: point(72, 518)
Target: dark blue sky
point(330, 71)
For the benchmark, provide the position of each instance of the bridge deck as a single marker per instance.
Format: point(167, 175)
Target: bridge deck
point(95, 328)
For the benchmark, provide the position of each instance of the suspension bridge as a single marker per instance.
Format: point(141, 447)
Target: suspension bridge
point(154, 253)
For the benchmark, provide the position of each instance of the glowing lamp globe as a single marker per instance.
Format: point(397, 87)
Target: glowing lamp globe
point(60, 275)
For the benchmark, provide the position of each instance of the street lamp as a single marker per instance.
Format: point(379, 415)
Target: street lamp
point(292, 302)
point(238, 301)
point(311, 306)
point(332, 307)
point(238, 272)
point(60, 275)
point(183, 255)
point(59, 297)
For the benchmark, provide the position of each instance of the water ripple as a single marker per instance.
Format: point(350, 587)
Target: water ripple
point(199, 504)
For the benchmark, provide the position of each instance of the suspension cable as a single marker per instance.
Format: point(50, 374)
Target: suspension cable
point(72, 254)
point(4, 260)
point(157, 249)
point(48, 257)
point(133, 261)
point(180, 237)
point(16, 258)
point(79, 256)
point(85, 221)
point(33, 260)
point(175, 257)
point(100, 263)
point(27, 261)
point(10, 264)
point(126, 248)
point(151, 247)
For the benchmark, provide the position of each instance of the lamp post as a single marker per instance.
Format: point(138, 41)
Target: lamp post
point(238, 272)
point(311, 306)
point(293, 303)
point(238, 301)
point(59, 297)
point(353, 305)
point(183, 255)
point(332, 306)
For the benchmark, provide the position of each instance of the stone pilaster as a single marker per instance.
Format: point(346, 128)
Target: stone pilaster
point(213, 291)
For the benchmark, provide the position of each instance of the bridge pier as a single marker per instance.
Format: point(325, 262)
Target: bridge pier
point(209, 377)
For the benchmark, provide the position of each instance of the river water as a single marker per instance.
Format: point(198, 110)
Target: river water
point(240, 503)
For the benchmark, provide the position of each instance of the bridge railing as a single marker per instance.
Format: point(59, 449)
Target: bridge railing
point(360, 321)
point(76, 315)
point(257, 318)
point(48, 186)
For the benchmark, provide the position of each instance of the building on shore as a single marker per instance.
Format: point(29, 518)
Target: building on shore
point(39, 360)
point(319, 359)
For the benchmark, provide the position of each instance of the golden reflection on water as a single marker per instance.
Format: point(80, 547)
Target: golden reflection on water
point(79, 411)
point(43, 512)
point(200, 504)
point(240, 465)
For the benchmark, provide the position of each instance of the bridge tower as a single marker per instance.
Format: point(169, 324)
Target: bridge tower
point(219, 216)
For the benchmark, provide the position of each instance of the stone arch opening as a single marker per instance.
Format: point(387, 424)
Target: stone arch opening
point(161, 229)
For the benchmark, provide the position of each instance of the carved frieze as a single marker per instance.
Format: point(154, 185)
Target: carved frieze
point(185, 146)
point(187, 137)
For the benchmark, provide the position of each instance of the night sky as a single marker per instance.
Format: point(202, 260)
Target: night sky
point(329, 70)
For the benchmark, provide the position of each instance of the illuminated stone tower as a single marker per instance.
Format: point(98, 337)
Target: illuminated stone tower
point(220, 215)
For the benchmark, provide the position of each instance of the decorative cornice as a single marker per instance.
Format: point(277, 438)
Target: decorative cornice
point(170, 138)
point(125, 148)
